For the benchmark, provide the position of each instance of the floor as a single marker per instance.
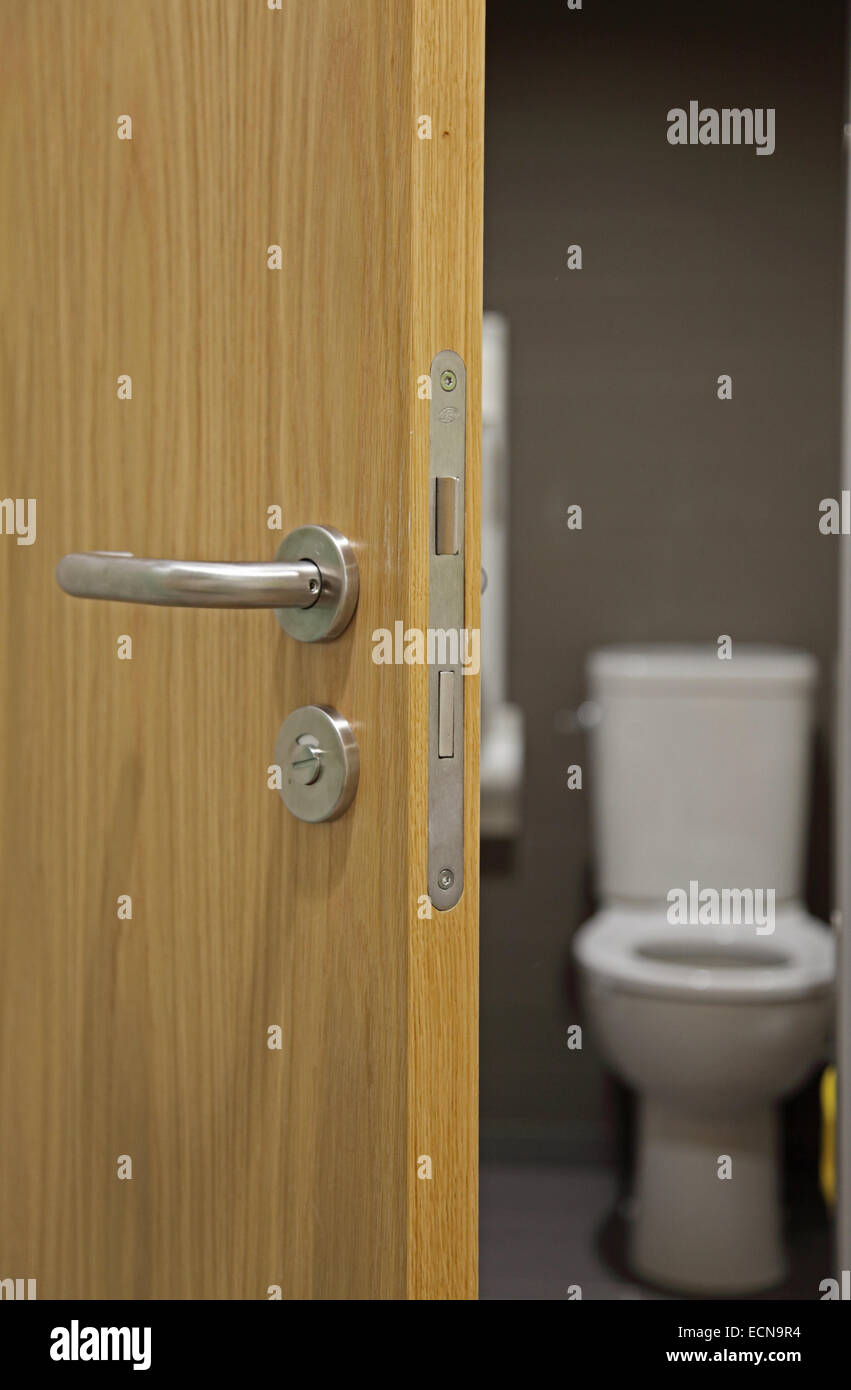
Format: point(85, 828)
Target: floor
point(545, 1228)
point(538, 1233)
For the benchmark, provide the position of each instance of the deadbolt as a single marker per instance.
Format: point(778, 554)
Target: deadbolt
point(318, 757)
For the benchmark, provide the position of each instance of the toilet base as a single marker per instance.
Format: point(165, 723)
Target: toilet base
point(695, 1232)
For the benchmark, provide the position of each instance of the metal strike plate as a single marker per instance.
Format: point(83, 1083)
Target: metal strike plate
point(447, 458)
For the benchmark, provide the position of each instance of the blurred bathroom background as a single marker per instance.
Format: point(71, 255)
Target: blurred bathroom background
point(700, 517)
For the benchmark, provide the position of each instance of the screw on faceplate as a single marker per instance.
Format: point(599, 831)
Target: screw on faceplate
point(445, 878)
point(448, 380)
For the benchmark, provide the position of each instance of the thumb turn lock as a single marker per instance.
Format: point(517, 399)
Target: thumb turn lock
point(318, 757)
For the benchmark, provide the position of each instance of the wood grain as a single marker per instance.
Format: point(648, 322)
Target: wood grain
point(250, 388)
point(443, 964)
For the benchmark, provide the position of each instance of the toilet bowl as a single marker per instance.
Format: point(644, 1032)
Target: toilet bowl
point(711, 1015)
point(711, 1032)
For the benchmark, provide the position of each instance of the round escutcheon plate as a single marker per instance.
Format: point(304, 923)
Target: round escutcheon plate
point(332, 553)
point(318, 757)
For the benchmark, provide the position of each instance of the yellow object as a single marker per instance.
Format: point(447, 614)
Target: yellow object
point(827, 1157)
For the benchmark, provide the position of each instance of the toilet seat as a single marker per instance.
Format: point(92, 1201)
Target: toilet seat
point(637, 951)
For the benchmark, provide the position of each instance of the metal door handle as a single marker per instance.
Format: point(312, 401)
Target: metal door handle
point(312, 583)
point(127, 578)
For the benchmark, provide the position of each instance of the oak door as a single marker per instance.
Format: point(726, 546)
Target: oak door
point(216, 318)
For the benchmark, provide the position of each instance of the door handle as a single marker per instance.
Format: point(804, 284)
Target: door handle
point(312, 583)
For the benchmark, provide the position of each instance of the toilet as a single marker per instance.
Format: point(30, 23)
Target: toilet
point(705, 982)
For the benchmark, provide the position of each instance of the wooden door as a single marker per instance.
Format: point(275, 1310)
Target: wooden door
point(253, 387)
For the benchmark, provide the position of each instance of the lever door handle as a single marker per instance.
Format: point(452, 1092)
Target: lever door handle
point(128, 578)
point(312, 583)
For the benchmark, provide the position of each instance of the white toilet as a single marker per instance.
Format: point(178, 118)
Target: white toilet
point(706, 996)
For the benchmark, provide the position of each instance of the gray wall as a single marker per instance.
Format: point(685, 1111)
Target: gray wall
point(700, 516)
